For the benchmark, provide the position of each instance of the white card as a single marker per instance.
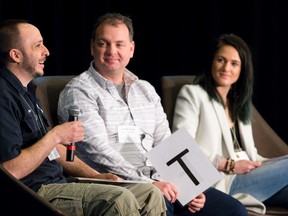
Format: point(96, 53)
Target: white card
point(179, 160)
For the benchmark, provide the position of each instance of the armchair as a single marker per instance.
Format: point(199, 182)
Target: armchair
point(22, 200)
point(48, 90)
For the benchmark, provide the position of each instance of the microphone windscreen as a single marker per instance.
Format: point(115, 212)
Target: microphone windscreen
point(73, 110)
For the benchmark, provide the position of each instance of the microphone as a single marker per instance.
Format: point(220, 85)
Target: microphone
point(73, 116)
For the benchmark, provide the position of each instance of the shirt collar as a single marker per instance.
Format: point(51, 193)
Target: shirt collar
point(129, 77)
point(15, 82)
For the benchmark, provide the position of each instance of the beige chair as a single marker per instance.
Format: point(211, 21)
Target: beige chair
point(18, 199)
point(48, 90)
point(268, 143)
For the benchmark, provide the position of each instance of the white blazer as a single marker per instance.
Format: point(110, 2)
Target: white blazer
point(207, 123)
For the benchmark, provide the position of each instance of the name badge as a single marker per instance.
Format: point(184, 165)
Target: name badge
point(54, 154)
point(128, 134)
point(241, 155)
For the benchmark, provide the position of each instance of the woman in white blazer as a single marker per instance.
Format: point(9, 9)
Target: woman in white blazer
point(216, 110)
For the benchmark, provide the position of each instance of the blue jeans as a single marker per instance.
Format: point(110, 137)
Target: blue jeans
point(267, 183)
point(217, 203)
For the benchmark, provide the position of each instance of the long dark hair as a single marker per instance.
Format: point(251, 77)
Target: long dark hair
point(240, 94)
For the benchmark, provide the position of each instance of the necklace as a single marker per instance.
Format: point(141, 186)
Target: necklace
point(225, 105)
point(239, 153)
point(236, 144)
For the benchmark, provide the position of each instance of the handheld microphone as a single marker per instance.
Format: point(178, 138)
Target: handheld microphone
point(73, 116)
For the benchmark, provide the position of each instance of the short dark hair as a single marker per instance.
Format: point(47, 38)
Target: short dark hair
point(113, 19)
point(9, 37)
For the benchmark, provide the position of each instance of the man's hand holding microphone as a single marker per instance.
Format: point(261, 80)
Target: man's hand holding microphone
point(73, 116)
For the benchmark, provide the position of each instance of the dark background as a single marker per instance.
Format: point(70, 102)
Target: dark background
point(171, 38)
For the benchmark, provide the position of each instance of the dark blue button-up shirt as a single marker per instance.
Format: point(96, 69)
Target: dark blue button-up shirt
point(22, 124)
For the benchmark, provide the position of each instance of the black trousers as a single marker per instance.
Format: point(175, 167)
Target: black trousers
point(217, 204)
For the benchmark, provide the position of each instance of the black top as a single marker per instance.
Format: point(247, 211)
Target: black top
point(22, 123)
